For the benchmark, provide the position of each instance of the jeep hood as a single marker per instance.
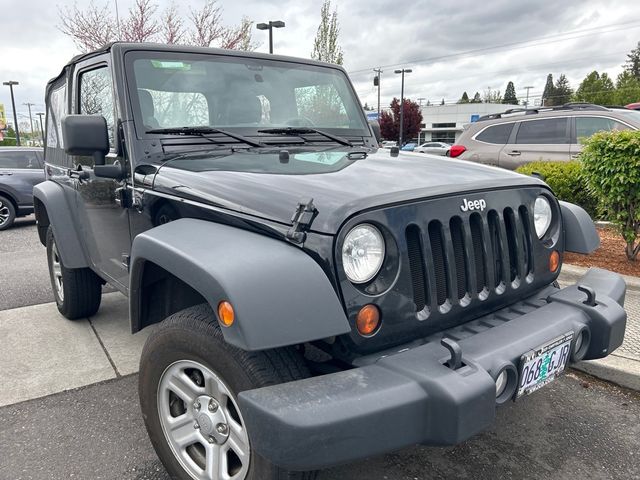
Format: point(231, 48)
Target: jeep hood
point(341, 184)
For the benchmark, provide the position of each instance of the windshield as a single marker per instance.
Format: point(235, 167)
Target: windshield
point(173, 89)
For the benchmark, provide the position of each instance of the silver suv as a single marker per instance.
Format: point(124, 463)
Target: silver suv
point(519, 136)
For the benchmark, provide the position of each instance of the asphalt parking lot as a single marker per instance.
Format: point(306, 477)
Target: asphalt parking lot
point(577, 427)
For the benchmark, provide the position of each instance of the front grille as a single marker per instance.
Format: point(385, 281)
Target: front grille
point(468, 257)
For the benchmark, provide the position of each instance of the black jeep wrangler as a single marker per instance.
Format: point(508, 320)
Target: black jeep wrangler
point(314, 299)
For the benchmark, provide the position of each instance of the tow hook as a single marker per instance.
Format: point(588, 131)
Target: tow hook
point(455, 362)
point(591, 295)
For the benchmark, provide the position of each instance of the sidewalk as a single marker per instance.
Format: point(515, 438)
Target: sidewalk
point(622, 366)
point(42, 353)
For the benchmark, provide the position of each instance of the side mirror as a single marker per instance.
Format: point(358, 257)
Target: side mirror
point(86, 135)
point(375, 128)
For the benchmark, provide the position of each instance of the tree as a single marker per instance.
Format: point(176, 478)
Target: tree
point(9, 139)
point(390, 120)
point(492, 96)
point(476, 98)
point(627, 89)
point(547, 94)
point(510, 95)
point(95, 25)
point(442, 102)
point(562, 91)
point(596, 88)
point(633, 62)
point(325, 45)
point(464, 98)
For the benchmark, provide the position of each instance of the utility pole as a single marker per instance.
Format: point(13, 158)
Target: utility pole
point(403, 71)
point(40, 114)
point(10, 84)
point(526, 102)
point(420, 99)
point(29, 105)
point(376, 82)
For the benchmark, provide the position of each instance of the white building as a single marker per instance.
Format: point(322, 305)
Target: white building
point(444, 123)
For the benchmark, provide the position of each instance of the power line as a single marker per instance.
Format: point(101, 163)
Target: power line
point(520, 44)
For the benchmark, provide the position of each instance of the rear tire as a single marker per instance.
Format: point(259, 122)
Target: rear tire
point(77, 291)
point(7, 213)
point(185, 367)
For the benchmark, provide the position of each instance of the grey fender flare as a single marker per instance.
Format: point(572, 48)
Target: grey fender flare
point(580, 235)
point(59, 213)
point(280, 295)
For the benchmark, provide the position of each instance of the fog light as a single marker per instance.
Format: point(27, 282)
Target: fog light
point(368, 320)
point(226, 313)
point(501, 382)
point(554, 261)
point(581, 345)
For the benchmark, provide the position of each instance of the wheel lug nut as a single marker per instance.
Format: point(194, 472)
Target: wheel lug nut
point(196, 426)
point(213, 406)
point(222, 428)
point(212, 440)
point(196, 405)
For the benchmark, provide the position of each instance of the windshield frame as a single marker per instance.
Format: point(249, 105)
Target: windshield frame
point(131, 56)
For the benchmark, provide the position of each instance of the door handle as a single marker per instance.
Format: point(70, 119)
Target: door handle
point(514, 153)
point(575, 156)
point(79, 174)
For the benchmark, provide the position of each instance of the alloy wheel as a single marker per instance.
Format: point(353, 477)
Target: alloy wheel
point(202, 423)
point(4, 213)
point(56, 271)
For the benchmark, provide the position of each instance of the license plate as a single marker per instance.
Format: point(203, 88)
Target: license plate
point(543, 364)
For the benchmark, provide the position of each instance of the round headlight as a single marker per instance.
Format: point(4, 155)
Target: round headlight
point(362, 253)
point(542, 215)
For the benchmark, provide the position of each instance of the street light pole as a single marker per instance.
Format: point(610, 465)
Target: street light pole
point(270, 26)
point(403, 71)
point(10, 84)
point(40, 114)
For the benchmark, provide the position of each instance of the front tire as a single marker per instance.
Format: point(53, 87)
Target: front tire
point(7, 213)
point(77, 291)
point(188, 385)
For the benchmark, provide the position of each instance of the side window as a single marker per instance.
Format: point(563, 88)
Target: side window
point(96, 96)
point(498, 134)
point(587, 126)
point(56, 109)
point(18, 159)
point(548, 130)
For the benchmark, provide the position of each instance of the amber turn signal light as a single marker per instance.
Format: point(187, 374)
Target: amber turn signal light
point(554, 261)
point(368, 320)
point(226, 313)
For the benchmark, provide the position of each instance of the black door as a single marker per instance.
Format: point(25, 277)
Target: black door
point(103, 222)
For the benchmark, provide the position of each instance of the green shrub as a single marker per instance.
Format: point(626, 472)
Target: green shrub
point(567, 181)
point(611, 165)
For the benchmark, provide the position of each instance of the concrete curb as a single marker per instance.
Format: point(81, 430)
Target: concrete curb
point(572, 273)
point(623, 371)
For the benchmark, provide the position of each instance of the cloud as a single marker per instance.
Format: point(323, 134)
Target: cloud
point(378, 32)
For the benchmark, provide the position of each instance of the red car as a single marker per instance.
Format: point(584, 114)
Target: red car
point(633, 106)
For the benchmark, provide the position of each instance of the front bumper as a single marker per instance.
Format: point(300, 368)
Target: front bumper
point(409, 396)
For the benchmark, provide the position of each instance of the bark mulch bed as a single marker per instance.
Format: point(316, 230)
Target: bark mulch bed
point(610, 255)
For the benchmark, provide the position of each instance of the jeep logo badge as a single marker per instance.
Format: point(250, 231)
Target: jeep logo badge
point(473, 205)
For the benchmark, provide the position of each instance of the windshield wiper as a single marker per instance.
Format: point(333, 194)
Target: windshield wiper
point(203, 131)
point(303, 130)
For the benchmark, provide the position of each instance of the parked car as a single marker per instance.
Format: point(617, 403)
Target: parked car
point(519, 136)
point(313, 302)
point(408, 147)
point(633, 106)
point(434, 148)
point(21, 169)
point(388, 144)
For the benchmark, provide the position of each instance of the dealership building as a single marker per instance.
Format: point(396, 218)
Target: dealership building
point(444, 123)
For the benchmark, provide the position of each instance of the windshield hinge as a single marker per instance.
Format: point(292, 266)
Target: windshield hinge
point(301, 221)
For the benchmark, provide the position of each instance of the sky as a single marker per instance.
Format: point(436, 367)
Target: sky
point(452, 46)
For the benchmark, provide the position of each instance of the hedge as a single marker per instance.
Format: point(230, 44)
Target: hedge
point(611, 168)
point(567, 181)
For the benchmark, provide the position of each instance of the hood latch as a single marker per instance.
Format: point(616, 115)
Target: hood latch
point(301, 221)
